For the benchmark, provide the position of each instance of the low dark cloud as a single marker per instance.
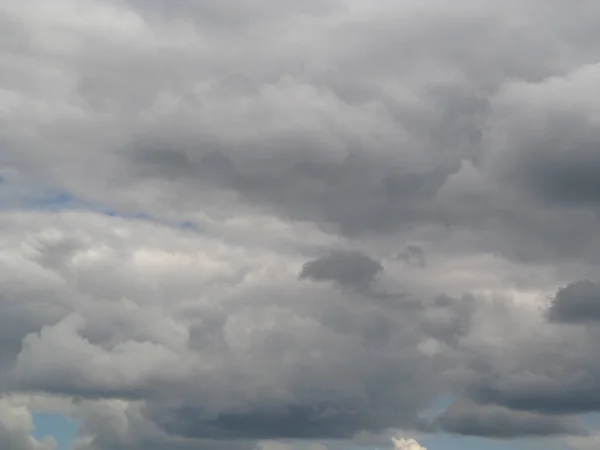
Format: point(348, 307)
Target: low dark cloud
point(578, 302)
point(453, 145)
point(546, 368)
point(467, 418)
point(543, 391)
point(346, 268)
point(288, 422)
point(550, 147)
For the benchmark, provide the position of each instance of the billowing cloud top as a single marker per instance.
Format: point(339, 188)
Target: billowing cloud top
point(406, 444)
point(229, 224)
point(15, 429)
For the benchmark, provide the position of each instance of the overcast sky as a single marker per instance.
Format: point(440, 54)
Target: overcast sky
point(300, 225)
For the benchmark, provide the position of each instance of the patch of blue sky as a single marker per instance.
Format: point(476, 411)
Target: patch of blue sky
point(59, 427)
point(56, 201)
point(52, 200)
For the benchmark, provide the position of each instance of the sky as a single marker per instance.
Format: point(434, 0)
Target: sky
point(62, 429)
point(299, 225)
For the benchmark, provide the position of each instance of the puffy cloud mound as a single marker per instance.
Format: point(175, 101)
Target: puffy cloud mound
point(406, 444)
point(16, 427)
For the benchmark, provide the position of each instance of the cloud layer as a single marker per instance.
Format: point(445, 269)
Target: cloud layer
point(227, 225)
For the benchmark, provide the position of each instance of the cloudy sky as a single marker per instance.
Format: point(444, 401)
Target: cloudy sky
point(299, 225)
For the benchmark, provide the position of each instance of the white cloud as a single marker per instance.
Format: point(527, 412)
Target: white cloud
point(16, 427)
point(406, 444)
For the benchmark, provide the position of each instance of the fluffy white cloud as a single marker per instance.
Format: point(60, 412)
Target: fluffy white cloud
point(16, 427)
point(406, 444)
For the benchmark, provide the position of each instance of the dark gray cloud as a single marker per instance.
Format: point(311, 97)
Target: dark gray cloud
point(288, 422)
point(549, 150)
point(543, 392)
point(344, 267)
point(578, 302)
point(546, 367)
point(467, 418)
point(121, 427)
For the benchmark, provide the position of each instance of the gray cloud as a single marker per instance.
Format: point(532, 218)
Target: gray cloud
point(467, 418)
point(547, 368)
point(213, 371)
point(465, 133)
point(557, 395)
point(16, 428)
point(557, 163)
point(578, 302)
point(345, 268)
point(413, 255)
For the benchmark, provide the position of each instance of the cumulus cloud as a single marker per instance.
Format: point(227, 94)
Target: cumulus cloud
point(224, 342)
point(406, 444)
point(577, 302)
point(550, 142)
point(198, 200)
point(16, 427)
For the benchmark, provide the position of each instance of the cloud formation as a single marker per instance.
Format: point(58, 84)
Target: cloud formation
point(16, 427)
point(232, 225)
point(406, 444)
point(578, 302)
